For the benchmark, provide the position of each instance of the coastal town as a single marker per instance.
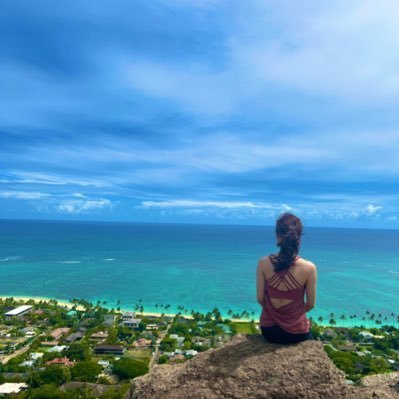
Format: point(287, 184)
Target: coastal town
point(85, 350)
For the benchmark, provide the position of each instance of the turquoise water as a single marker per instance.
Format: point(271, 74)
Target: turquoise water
point(197, 266)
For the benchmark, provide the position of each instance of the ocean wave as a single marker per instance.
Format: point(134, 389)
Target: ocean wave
point(8, 258)
point(392, 271)
point(108, 259)
point(71, 261)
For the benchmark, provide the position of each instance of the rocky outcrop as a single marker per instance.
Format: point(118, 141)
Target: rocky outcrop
point(247, 367)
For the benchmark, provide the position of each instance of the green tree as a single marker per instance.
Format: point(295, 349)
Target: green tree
point(86, 371)
point(48, 392)
point(163, 359)
point(126, 368)
point(378, 365)
point(168, 344)
point(53, 374)
point(116, 393)
point(77, 351)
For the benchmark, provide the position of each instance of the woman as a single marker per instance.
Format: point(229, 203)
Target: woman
point(282, 281)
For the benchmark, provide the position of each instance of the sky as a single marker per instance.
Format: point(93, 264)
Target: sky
point(201, 111)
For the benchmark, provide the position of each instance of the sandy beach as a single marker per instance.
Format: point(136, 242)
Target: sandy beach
point(70, 305)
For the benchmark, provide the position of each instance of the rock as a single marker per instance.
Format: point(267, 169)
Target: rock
point(248, 367)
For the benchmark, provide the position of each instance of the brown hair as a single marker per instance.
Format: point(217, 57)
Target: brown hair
point(289, 230)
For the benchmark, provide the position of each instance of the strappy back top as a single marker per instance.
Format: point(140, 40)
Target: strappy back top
point(290, 317)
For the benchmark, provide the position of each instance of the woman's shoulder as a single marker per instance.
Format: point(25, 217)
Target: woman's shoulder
point(264, 261)
point(306, 264)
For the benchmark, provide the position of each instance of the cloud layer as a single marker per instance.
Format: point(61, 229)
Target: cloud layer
point(227, 112)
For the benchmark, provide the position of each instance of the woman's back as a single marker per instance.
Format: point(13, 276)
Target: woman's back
point(284, 280)
point(297, 274)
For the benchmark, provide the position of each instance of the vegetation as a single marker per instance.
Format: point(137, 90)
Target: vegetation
point(243, 327)
point(53, 374)
point(86, 371)
point(126, 368)
point(357, 350)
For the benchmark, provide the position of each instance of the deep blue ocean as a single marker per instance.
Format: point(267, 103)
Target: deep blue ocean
point(197, 266)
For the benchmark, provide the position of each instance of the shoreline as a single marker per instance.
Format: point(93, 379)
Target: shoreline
point(64, 303)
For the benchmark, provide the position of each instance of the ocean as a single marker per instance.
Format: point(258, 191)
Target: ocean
point(195, 266)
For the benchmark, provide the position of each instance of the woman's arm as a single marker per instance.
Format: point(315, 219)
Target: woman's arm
point(311, 289)
point(260, 284)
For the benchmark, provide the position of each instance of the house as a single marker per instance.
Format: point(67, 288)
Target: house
point(366, 334)
point(59, 332)
point(109, 319)
point(131, 323)
point(128, 315)
point(27, 329)
point(12, 387)
point(129, 320)
point(71, 313)
point(18, 312)
point(76, 336)
point(142, 343)
point(64, 361)
point(201, 341)
point(329, 333)
point(109, 349)
point(49, 343)
point(178, 339)
point(36, 355)
point(191, 352)
point(349, 347)
point(16, 376)
point(27, 363)
point(103, 363)
point(57, 348)
point(86, 322)
point(150, 327)
point(100, 335)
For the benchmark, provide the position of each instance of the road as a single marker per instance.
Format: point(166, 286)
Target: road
point(156, 355)
point(6, 359)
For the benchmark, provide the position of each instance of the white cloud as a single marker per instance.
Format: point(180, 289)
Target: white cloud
point(372, 209)
point(23, 195)
point(82, 206)
point(23, 177)
point(205, 204)
point(345, 50)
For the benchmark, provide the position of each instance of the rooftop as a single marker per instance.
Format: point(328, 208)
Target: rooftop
point(18, 310)
point(12, 387)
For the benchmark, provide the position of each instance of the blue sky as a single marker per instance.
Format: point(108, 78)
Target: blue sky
point(200, 111)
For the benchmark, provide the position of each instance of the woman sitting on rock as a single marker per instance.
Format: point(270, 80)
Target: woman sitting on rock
point(282, 282)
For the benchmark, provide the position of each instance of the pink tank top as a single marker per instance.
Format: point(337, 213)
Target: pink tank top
point(290, 317)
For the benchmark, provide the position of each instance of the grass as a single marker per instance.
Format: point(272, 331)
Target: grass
point(243, 327)
point(143, 355)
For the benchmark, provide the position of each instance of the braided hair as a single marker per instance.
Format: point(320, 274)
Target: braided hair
point(289, 230)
